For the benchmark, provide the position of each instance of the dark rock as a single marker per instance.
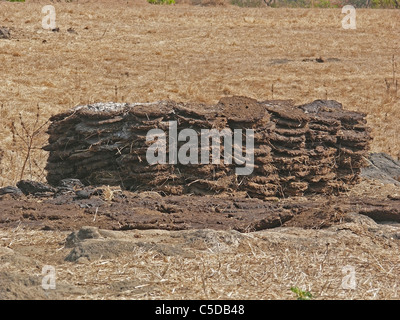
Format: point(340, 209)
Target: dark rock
point(70, 184)
point(71, 30)
point(83, 194)
point(35, 187)
point(383, 168)
point(4, 33)
point(279, 61)
point(10, 190)
point(78, 236)
point(333, 60)
point(318, 60)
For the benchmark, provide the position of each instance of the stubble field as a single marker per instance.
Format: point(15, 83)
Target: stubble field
point(137, 52)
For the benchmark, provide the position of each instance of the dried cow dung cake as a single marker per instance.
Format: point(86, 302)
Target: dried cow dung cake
point(313, 148)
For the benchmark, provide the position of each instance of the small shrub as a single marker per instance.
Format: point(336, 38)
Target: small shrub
point(161, 1)
point(323, 4)
point(248, 3)
point(213, 3)
point(301, 294)
point(385, 4)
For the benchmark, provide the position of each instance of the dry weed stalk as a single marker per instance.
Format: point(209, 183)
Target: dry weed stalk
point(392, 84)
point(29, 135)
point(108, 194)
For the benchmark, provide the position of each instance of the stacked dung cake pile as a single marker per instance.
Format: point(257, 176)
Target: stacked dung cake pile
point(318, 147)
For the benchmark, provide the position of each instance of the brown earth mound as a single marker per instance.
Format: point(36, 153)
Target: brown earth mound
point(313, 148)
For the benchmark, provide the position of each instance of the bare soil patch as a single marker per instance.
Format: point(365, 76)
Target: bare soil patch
point(124, 210)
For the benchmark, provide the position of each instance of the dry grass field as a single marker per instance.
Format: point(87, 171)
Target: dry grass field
point(133, 51)
point(205, 264)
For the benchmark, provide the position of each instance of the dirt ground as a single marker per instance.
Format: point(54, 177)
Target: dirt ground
point(203, 263)
point(124, 210)
point(144, 246)
point(122, 245)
